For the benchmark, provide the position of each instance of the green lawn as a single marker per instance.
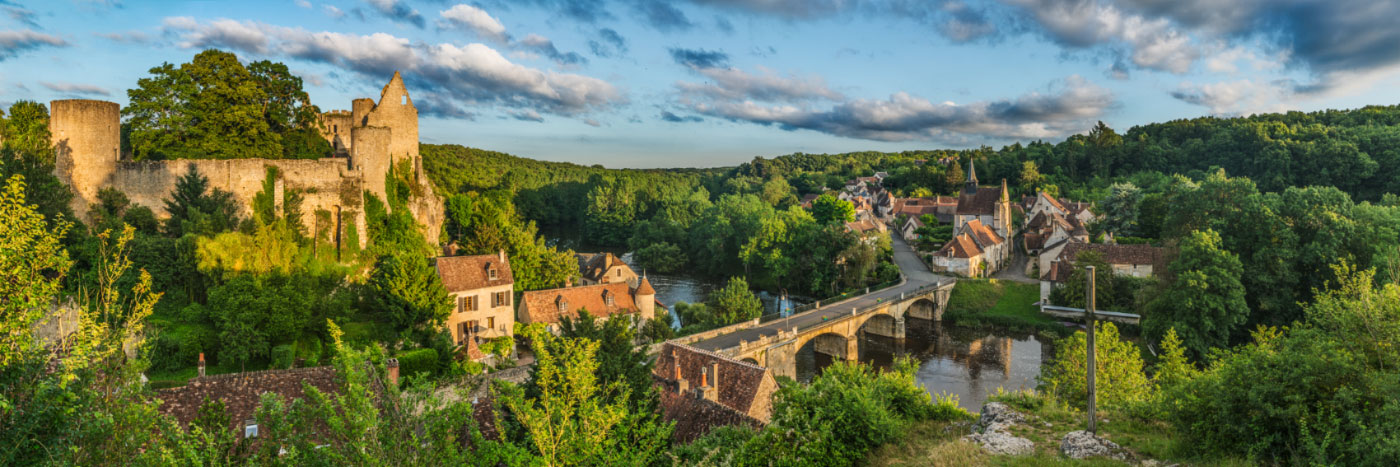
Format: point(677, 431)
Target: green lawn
point(998, 303)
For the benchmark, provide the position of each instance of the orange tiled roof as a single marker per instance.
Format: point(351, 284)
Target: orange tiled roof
point(961, 246)
point(460, 273)
point(549, 306)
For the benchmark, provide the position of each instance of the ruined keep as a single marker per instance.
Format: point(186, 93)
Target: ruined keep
point(366, 140)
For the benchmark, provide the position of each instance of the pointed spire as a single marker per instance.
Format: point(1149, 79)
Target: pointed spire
point(1005, 195)
point(970, 188)
point(644, 287)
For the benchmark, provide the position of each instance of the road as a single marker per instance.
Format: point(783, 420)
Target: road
point(916, 275)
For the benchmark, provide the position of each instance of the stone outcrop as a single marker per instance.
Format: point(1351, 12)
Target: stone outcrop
point(991, 431)
point(1082, 444)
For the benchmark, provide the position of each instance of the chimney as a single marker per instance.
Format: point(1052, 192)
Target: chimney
point(568, 282)
point(392, 365)
point(714, 375)
point(201, 364)
point(502, 254)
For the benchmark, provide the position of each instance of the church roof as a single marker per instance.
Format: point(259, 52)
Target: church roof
point(981, 202)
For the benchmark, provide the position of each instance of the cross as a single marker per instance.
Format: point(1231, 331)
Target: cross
point(1090, 316)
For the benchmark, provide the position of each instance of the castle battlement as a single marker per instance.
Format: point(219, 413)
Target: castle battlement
point(366, 140)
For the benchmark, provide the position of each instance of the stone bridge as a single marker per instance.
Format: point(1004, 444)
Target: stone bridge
point(832, 329)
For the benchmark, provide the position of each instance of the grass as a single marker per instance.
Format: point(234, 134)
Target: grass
point(940, 443)
point(998, 303)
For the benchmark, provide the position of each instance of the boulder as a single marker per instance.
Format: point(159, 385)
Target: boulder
point(990, 431)
point(1082, 444)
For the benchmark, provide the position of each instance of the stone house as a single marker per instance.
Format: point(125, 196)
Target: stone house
point(961, 255)
point(868, 229)
point(482, 290)
point(990, 205)
point(604, 268)
point(908, 230)
point(1051, 228)
point(941, 207)
point(1044, 203)
point(602, 301)
point(702, 390)
point(1126, 260)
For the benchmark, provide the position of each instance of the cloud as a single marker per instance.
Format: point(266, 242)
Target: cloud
point(1240, 97)
point(609, 42)
point(964, 23)
point(333, 11)
point(73, 88)
point(303, 4)
point(699, 58)
point(586, 11)
point(475, 20)
point(23, 16)
point(732, 83)
point(397, 11)
point(545, 47)
point(790, 9)
point(12, 43)
point(666, 115)
point(1150, 43)
point(592, 122)
point(129, 37)
point(723, 25)
point(1068, 106)
point(469, 75)
point(662, 15)
point(526, 115)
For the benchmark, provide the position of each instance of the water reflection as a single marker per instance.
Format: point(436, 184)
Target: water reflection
point(968, 362)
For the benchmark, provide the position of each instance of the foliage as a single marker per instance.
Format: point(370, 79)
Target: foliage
point(486, 223)
point(826, 209)
point(410, 294)
point(194, 208)
point(1204, 301)
point(216, 108)
point(418, 362)
point(255, 313)
point(1120, 208)
point(1120, 381)
point(732, 303)
point(26, 151)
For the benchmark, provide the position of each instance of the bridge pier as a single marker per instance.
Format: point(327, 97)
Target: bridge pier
point(852, 348)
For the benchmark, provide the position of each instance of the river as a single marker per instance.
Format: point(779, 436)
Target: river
point(970, 363)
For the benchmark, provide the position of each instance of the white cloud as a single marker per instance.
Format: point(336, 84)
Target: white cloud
point(476, 20)
point(333, 11)
point(1152, 43)
point(75, 88)
point(303, 3)
point(14, 42)
point(1240, 97)
point(732, 83)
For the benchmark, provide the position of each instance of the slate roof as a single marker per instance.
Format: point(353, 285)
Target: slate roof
point(460, 273)
point(982, 202)
point(1112, 254)
point(593, 266)
point(543, 305)
point(242, 392)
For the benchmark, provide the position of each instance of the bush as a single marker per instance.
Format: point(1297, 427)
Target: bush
point(179, 346)
point(283, 356)
point(1120, 380)
point(500, 347)
point(418, 361)
point(310, 350)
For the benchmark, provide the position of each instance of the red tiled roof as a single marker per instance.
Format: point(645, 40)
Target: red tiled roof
point(742, 386)
point(865, 226)
point(1112, 254)
point(644, 287)
point(544, 305)
point(242, 392)
point(984, 235)
point(961, 246)
point(460, 273)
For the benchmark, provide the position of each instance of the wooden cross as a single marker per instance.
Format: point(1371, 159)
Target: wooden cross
point(1090, 316)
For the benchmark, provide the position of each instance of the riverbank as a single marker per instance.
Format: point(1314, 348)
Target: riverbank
point(1001, 304)
point(938, 443)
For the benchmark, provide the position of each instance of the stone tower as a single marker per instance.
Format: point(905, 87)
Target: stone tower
point(970, 187)
point(87, 142)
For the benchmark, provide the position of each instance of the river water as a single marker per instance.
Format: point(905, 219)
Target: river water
point(970, 363)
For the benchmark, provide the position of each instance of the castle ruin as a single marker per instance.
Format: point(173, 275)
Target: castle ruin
point(367, 140)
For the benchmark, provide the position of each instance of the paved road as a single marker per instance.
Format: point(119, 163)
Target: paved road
point(916, 273)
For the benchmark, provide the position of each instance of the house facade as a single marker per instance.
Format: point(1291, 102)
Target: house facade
point(482, 290)
point(604, 268)
point(1126, 260)
point(602, 301)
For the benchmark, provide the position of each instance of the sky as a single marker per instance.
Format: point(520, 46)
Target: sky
point(702, 83)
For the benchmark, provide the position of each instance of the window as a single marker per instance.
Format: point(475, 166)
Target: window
point(469, 303)
point(472, 327)
point(491, 273)
point(619, 272)
point(491, 322)
point(501, 299)
point(404, 101)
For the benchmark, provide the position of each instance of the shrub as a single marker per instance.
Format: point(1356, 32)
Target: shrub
point(418, 361)
point(283, 356)
point(1120, 381)
point(310, 351)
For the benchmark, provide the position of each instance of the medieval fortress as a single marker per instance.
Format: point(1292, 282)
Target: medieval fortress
point(367, 140)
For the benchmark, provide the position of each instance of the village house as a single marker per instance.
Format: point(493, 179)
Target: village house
point(910, 227)
point(604, 268)
point(1044, 203)
point(977, 251)
point(808, 199)
point(602, 301)
point(702, 390)
point(1047, 230)
point(1126, 260)
point(482, 291)
point(941, 207)
point(868, 229)
point(990, 205)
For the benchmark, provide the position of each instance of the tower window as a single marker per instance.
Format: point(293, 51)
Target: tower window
point(404, 100)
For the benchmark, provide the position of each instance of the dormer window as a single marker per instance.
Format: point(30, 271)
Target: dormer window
point(491, 273)
point(608, 298)
point(562, 304)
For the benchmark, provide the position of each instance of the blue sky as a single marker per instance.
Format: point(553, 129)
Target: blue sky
point(653, 83)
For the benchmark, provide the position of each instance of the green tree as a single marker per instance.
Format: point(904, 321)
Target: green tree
point(27, 131)
point(828, 209)
point(1174, 368)
point(733, 303)
point(196, 209)
point(1204, 301)
point(1030, 176)
point(1074, 291)
point(953, 178)
point(1121, 208)
point(409, 292)
point(1120, 380)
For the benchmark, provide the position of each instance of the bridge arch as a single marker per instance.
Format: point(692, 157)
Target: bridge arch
point(924, 308)
point(881, 324)
point(830, 343)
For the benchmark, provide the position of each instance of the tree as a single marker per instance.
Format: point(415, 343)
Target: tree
point(733, 303)
point(1204, 301)
point(1174, 368)
point(27, 130)
point(828, 210)
point(410, 293)
point(1120, 380)
point(1121, 208)
point(1030, 176)
point(195, 209)
point(953, 178)
point(1073, 291)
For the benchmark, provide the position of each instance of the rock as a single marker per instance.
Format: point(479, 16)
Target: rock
point(1082, 444)
point(995, 416)
point(990, 431)
point(1003, 443)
